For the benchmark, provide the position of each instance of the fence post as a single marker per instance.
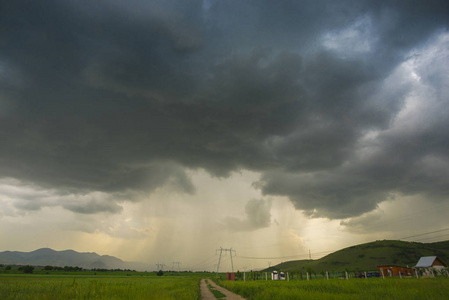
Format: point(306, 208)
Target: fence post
point(346, 275)
point(400, 275)
point(416, 272)
point(327, 275)
point(307, 276)
point(266, 276)
point(288, 278)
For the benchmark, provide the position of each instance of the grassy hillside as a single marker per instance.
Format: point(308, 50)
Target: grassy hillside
point(368, 256)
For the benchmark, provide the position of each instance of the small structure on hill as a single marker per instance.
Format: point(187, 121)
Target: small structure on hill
point(429, 264)
point(392, 271)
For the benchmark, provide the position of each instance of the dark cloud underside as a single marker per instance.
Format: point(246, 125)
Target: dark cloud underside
point(115, 97)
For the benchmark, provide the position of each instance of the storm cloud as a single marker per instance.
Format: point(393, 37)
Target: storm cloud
point(336, 104)
point(257, 215)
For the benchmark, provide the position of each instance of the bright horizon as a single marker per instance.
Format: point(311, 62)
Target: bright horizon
point(160, 131)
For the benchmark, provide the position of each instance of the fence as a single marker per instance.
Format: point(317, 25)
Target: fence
point(347, 275)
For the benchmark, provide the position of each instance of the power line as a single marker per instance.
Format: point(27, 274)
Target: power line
point(290, 256)
point(407, 237)
point(433, 237)
point(202, 263)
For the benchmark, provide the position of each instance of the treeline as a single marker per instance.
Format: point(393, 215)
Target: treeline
point(113, 270)
point(65, 268)
point(30, 269)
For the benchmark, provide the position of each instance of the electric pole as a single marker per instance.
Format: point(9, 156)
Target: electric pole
point(219, 259)
point(176, 263)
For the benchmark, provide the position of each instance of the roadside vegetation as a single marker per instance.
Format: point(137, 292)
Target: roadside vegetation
point(373, 288)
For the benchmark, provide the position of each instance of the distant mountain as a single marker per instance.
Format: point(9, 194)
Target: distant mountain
point(87, 260)
point(368, 256)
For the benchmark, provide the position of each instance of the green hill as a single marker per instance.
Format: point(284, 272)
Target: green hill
point(365, 257)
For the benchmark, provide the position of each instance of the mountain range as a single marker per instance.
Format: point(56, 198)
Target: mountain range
point(87, 260)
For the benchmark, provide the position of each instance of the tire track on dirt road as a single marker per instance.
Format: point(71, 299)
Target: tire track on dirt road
point(206, 294)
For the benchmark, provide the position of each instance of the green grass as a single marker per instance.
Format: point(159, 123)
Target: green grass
point(217, 294)
point(98, 287)
point(374, 288)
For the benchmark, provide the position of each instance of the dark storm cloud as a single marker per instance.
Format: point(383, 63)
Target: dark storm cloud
point(119, 97)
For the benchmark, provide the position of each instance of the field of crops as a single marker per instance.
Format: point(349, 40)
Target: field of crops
point(373, 288)
point(186, 286)
point(98, 287)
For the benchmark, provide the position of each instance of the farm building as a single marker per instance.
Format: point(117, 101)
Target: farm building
point(391, 270)
point(426, 263)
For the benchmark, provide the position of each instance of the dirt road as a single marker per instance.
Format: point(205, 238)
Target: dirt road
point(206, 294)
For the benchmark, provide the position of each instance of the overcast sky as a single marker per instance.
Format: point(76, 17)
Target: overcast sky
point(159, 131)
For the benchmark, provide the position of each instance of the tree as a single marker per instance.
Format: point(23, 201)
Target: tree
point(27, 269)
point(160, 273)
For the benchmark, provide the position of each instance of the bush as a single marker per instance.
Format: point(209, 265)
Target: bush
point(27, 269)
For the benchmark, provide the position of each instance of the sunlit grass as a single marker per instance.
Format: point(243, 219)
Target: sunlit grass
point(373, 288)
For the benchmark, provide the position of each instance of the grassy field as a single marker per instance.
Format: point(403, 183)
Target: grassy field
point(98, 287)
point(373, 288)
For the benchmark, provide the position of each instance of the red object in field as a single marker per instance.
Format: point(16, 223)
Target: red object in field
point(230, 276)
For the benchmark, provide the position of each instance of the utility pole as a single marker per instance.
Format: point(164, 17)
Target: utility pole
point(219, 259)
point(310, 255)
point(232, 264)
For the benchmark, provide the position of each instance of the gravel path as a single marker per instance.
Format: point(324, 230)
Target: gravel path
point(206, 294)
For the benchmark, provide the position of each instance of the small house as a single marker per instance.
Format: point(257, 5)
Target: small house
point(429, 264)
point(391, 271)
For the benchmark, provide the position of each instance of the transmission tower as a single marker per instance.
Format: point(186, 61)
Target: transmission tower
point(160, 266)
point(219, 259)
point(176, 263)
